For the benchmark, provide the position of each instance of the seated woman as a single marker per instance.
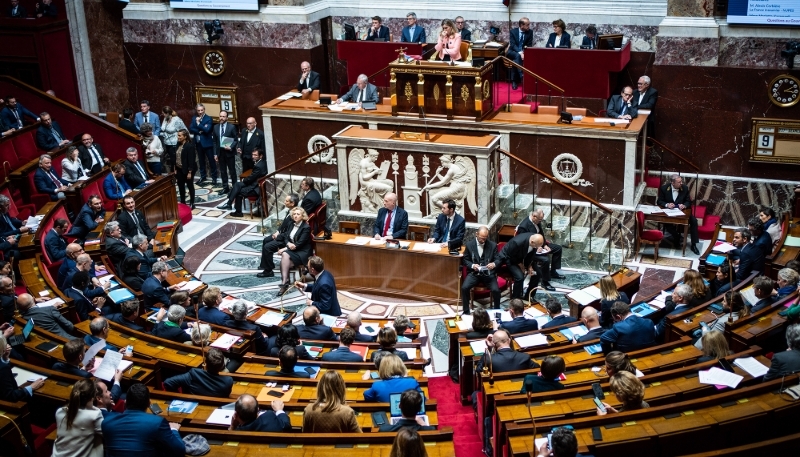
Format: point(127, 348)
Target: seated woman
point(387, 338)
point(330, 414)
point(79, 422)
point(71, 167)
point(408, 443)
point(714, 346)
point(288, 336)
point(201, 335)
point(722, 277)
point(394, 380)
point(734, 308)
point(294, 247)
point(130, 273)
point(628, 390)
point(609, 294)
point(617, 361)
point(771, 224)
point(559, 38)
point(481, 325)
point(401, 324)
point(548, 378)
point(183, 299)
point(701, 293)
point(9, 390)
point(449, 45)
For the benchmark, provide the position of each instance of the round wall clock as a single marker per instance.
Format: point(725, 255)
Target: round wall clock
point(214, 62)
point(784, 91)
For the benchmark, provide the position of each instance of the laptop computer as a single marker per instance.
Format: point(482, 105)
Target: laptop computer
point(18, 340)
point(395, 413)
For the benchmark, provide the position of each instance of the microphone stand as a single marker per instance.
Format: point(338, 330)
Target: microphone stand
point(458, 299)
point(425, 119)
point(200, 333)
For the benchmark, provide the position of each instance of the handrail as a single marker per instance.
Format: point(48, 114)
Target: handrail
point(301, 159)
point(519, 67)
point(696, 168)
point(557, 182)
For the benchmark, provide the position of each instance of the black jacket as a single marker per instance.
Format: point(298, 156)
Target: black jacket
point(199, 382)
point(507, 359)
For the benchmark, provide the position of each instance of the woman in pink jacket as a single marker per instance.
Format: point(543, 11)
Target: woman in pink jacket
point(449, 45)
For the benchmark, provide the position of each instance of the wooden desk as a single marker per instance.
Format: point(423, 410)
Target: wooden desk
point(297, 103)
point(397, 271)
point(29, 242)
point(488, 52)
point(662, 218)
point(626, 280)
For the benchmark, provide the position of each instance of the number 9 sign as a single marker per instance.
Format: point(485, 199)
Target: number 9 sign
point(226, 105)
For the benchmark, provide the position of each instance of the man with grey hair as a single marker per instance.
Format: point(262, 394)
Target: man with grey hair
point(674, 195)
point(117, 247)
point(309, 79)
point(200, 127)
point(48, 318)
point(10, 227)
point(412, 33)
point(239, 313)
point(145, 257)
point(135, 173)
point(289, 202)
point(156, 289)
point(787, 362)
point(171, 328)
point(99, 331)
point(361, 92)
point(91, 155)
point(466, 35)
point(84, 263)
point(676, 304)
point(646, 97)
point(354, 322)
point(46, 182)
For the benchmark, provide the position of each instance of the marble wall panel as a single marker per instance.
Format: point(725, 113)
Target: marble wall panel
point(752, 52)
point(687, 51)
point(290, 139)
point(690, 8)
point(104, 20)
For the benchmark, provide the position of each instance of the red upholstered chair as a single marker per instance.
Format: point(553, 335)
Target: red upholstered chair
point(21, 212)
point(25, 145)
point(643, 236)
point(37, 199)
point(480, 291)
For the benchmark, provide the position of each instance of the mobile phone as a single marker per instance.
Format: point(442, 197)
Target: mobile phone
point(155, 408)
point(129, 350)
point(599, 404)
point(726, 365)
point(275, 393)
point(497, 316)
point(309, 370)
point(598, 391)
point(597, 435)
point(374, 375)
point(704, 325)
point(549, 441)
point(379, 418)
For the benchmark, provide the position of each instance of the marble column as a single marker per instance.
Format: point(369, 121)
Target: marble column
point(83, 56)
point(688, 35)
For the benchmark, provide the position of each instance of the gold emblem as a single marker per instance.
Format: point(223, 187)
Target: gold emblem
point(485, 89)
point(436, 93)
point(465, 93)
point(408, 92)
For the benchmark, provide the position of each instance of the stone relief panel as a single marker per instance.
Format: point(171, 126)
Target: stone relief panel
point(368, 181)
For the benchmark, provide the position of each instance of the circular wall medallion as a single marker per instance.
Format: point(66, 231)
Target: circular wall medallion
point(317, 142)
point(784, 91)
point(214, 62)
point(567, 168)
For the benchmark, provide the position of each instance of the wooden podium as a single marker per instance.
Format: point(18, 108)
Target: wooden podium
point(441, 89)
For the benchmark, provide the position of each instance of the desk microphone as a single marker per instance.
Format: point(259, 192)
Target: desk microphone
point(401, 124)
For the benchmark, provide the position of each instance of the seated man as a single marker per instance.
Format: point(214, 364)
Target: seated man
point(92, 289)
point(622, 106)
point(288, 358)
point(170, 329)
point(590, 40)
point(135, 171)
point(361, 92)
point(551, 251)
point(518, 324)
point(761, 238)
point(246, 417)
point(74, 351)
point(676, 195)
point(72, 252)
point(137, 432)
point(289, 202)
point(309, 79)
point(519, 254)
point(14, 114)
point(247, 187)
point(479, 257)
point(132, 222)
point(49, 136)
point(786, 362)
point(592, 322)
point(239, 314)
point(9, 225)
point(392, 220)
point(115, 186)
point(313, 328)
point(354, 322)
point(311, 196)
point(89, 217)
point(79, 293)
point(505, 358)
point(48, 318)
point(156, 289)
point(46, 182)
point(208, 382)
point(91, 155)
point(8, 299)
point(343, 352)
point(410, 404)
point(323, 291)
point(557, 316)
point(127, 316)
point(412, 33)
point(377, 30)
point(450, 226)
point(99, 329)
point(145, 257)
point(54, 241)
point(762, 287)
point(552, 368)
point(210, 312)
point(680, 300)
point(748, 258)
point(629, 333)
point(117, 247)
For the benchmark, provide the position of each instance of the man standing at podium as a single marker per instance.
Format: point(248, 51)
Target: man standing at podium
point(519, 39)
point(412, 33)
point(392, 221)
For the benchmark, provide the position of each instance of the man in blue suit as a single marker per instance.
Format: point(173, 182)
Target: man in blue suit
point(49, 136)
point(518, 323)
point(392, 220)
point(239, 314)
point(679, 302)
point(47, 182)
point(323, 291)
point(629, 333)
point(377, 30)
point(762, 287)
point(313, 328)
point(115, 185)
point(557, 317)
point(89, 217)
point(450, 226)
point(208, 382)
point(519, 39)
point(590, 40)
point(147, 116)
point(14, 113)
point(9, 225)
point(749, 256)
point(204, 143)
point(54, 241)
point(137, 433)
point(412, 33)
point(210, 312)
point(343, 352)
point(155, 288)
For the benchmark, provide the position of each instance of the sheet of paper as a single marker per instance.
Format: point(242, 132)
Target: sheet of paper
point(220, 417)
point(608, 120)
point(93, 350)
point(410, 352)
point(465, 323)
point(269, 319)
point(53, 302)
point(105, 279)
point(374, 242)
point(752, 366)
point(426, 247)
point(230, 300)
point(581, 296)
point(108, 366)
point(649, 209)
point(359, 241)
point(718, 376)
point(533, 313)
point(749, 295)
point(594, 291)
point(723, 246)
point(792, 241)
point(478, 347)
point(722, 236)
point(123, 364)
point(225, 341)
point(529, 341)
point(673, 212)
point(23, 376)
point(328, 319)
point(191, 285)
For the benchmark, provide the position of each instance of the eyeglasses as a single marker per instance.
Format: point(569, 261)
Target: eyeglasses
point(459, 22)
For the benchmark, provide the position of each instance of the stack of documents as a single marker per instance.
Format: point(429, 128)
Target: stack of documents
point(289, 95)
point(225, 341)
point(723, 246)
point(650, 209)
point(478, 347)
point(752, 366)
point(586, 295)
point(270, 318)
point(673, 212)
point(574, 332)
point(720, 378)
point(529, 341)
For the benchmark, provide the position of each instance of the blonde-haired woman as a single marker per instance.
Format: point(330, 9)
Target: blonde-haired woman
point(170, 127)
point(329, 413)
point(293, 246)
point(629, 390)
point(608, 295)
point(394, 380)
point(449, 45)
point(700, 291)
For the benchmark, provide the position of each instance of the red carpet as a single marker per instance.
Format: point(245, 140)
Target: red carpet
point(503, 94)
point(452, 414)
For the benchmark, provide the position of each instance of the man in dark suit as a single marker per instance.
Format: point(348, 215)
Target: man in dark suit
point(14, 113)
point(129, 311)
point(46, 8)
point(518, 39)
point(553, 251)
point(343, 352)
point(309, 80)
point(761, 239)
point(91, 155)
point(85, 298)
point(71, 254)
point(412, 33)
point(354, 322)
point(49, 136)
point(592, 322)
point(83, 263)
point(155, 288)
point(361, 92)
point(136, 432)
point(762, 288)
point(9, 225)
point(171, 328)
point(676, 195)
point(247, 186)
point(288, 358)
point(377, 30)
point(89, 217)
point(289, 202)
point(479, 258)
point(313, 328)
point(139, 249)
point(621, 106)
point(749, 257)
point(48, 318)
point(466, 35)
point(519, 253)
point(323, 290)
point(226, 155)
point(450, 226)
point(252, 138)
point(518, 323)
point(646, 97)
point(117, 246)
point(135, 170)
point(46, 182)
point(210, 312)
point(504, 357)
point(17, 10)
point(311, 197)
point(246, 417)
point(200, 127)
point(679, 302)
point(590, 40)
point(557, 317)
point(73, 352)
point(392, 220)
point(208, 382)
point(787, 362)
point(8, 299)
point(629, 333)
point(125, 122)
point(410, 405)
point(132, 222)
point(239, 314)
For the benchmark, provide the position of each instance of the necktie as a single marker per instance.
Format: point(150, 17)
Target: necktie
point(8, 221)
point(16, 114)
point(221, 129)
point(520, 36)
point(624, 107)
point(136, 220)
point(141, 171)
point(360, 96)
point(56, 135)
point(388, 222)
point(96, 155)
point(447, 232)
point(55, 180)
point(119, 191)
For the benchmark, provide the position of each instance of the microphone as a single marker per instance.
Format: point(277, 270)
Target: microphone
point(425, 119)
point(401, 124)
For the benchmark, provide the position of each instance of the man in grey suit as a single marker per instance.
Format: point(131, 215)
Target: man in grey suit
point(621, 106)
point(47, 318)
point(786, 362)
point(362, 91)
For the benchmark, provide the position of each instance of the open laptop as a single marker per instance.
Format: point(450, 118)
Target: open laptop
point(19, 340)
point(396, 414)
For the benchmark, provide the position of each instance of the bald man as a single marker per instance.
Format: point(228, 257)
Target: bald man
point(252, 138)
point(480, 257)
point(48, 318)
point(519, 254)
point(505, 358)
point(591, 320)
point(309, 80)
point(392, 221)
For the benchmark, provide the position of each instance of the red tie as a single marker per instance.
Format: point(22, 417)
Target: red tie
point(388, 221)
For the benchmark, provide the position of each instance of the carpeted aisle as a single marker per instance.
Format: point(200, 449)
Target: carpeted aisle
point(452, 414)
